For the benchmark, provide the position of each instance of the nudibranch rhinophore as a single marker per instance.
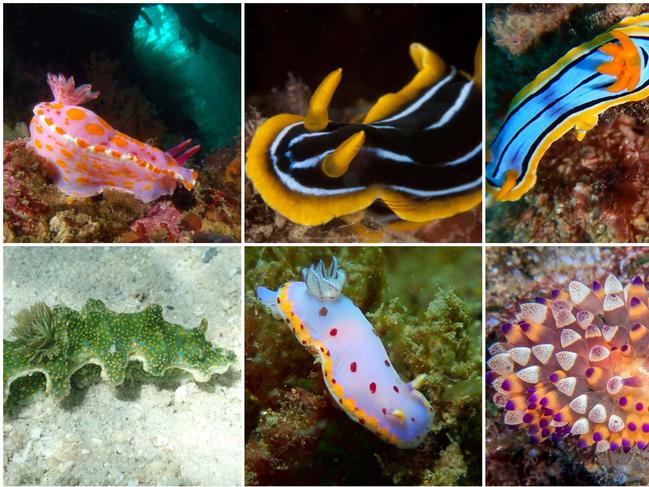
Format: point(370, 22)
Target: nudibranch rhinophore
point(418, 150)
point(610, 70)
point(88, 155)
point(356, 368)
point(578, 363)
point(52, 344)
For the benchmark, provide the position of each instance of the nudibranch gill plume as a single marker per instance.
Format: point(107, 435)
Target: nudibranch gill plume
point(418, 150)
point(577, 363)
point(610, 70)
point(88, 155)
point(356, 368)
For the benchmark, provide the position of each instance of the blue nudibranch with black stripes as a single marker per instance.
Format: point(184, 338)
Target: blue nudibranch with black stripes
point(355, 365)
point(419, 150)
point(610, 70)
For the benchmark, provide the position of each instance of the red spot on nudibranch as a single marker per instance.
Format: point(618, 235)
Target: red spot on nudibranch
point(385, 411)
point(333, 332)
point(333, 381)
point(323, 311)
point(361, 421)
point(322, 349)
point(279, 300)
point(396, 389)
point(387, 363)
point(373, 387)
point(352, 367)
point(301, 326)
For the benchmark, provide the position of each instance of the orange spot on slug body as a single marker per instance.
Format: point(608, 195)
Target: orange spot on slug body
point(76, 114)
point(95, 129)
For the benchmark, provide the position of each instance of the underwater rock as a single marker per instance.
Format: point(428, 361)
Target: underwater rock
point(53, 343)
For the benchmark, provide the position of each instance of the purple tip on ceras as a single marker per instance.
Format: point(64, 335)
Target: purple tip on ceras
point(540, 300)
point(637, 281)
point(635, 301)
point(555, 293)
point(596, 286)
point(505, 328)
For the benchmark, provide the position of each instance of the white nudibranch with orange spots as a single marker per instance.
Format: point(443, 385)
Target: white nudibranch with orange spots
point(89, 155)
point(355, 365)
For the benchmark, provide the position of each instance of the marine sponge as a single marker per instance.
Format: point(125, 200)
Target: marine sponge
point(53, 343)
point(578, 363)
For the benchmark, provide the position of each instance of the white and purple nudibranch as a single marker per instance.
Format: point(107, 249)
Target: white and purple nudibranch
point(355, 365)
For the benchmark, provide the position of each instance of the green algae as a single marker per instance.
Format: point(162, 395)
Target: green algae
point(425, 304)
point(140, 346)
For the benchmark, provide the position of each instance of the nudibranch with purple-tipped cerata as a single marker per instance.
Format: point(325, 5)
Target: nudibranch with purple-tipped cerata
point(577, 363)
point(88, 155)
point(356, 368)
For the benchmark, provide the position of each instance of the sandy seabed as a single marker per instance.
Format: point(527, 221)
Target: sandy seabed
point(145, 434)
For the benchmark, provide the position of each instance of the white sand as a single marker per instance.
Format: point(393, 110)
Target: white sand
point(181, 435)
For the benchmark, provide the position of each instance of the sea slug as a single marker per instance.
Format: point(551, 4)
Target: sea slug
point(88, 155)
point(356, 368)
point(418, 150)
point(610, 70)
point(577, 363)
point(53, 343)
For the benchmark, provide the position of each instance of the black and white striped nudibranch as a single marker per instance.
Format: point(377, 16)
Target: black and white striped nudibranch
point(419, 150)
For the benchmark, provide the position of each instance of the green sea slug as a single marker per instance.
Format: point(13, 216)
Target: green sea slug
point(53, 343)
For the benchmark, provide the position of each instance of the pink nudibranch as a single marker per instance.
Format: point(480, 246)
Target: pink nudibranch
point(89, 155)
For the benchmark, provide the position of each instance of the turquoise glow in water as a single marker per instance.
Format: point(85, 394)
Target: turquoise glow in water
point(199, 81)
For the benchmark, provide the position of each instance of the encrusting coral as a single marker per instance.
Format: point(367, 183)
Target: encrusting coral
point(53, 343)
point(576, 363)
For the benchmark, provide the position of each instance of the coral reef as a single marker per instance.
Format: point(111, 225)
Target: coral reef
point(590, 191)
point(36, 211)
point(52, 344)
point(439, 338)
point(520, 275)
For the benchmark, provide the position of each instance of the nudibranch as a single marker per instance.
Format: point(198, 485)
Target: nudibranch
point(418, 150)
point(356, 368)
point(577, 363)
point(53, 343)
point(88, 155)
point(610, 70)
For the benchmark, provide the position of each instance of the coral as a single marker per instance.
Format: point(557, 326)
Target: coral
point(160, 224)
point(35, 211)
point(518, 275)
point(425, 327)
point(52, 344)
point(590, 191)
